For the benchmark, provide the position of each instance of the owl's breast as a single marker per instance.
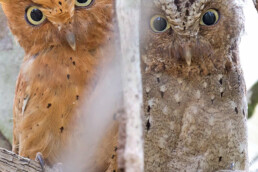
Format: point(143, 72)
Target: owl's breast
point(50, 89)
point(187, 120)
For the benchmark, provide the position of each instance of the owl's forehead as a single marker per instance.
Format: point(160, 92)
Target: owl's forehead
point(181, 8)
point(54, 3)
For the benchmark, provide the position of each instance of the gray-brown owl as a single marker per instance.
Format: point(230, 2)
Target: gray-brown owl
point(194, 91)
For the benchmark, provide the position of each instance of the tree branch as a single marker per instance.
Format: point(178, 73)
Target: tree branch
point(10, 161)
point(131, 133)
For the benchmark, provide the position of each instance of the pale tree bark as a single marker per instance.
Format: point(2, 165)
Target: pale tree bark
point(131, 155)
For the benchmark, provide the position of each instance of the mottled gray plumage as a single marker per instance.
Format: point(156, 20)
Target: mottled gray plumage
point(195, 106)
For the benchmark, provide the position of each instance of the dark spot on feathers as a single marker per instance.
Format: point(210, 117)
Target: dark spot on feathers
point(73, 62)
point(228, 67)
point(191, 1)
point(71, 58)
point(177, 3)
point(187, 5)
point(158, 80)
point(113, 156)
point(236, 110)
point(148, 109)
point(220, 158)
point(187, 12)
point(77, 97)
point(68, 76)
point(52, 46)
point(61, 129)
point(221, 81)
point(60, 3)
point(35, 55)
point(221, 94)
point(49, 105)
point(115, 149)
point(162, 94)
point(148, 125)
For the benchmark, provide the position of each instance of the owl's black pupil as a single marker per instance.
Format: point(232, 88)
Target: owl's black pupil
point(82, 1)
point(160, 24)
point(36, 15)
point(209, 18)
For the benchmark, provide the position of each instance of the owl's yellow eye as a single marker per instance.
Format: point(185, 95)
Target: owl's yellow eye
point(83, 3)
point(159, 24)
point(210, 17)
point(34, 16)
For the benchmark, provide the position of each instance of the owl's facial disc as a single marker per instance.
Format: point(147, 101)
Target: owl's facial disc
point(160, 24)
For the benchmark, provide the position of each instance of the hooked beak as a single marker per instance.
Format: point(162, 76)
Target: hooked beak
point(188, 55)
point(70, 37)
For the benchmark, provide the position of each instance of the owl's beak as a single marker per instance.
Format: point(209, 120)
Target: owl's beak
point(70, 37)
point(188, 55)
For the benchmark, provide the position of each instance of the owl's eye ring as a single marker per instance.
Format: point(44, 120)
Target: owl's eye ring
point(34, 16)
point(210, 17)
point(159, 24)
point(83, 3)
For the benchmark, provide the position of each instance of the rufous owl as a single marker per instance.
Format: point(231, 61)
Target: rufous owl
point(65, 42)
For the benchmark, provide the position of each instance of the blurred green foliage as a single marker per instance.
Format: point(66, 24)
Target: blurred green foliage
point(252, 99)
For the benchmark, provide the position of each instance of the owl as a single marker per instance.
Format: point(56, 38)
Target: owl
point(65, 43)
point(194, 92)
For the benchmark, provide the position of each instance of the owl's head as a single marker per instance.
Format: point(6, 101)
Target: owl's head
point(41, 24)
point(191, 36)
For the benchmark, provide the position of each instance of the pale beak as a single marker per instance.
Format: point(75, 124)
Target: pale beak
point(70, 37)
point(188, 55)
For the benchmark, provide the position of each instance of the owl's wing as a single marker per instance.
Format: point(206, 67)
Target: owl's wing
point(20, 101)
